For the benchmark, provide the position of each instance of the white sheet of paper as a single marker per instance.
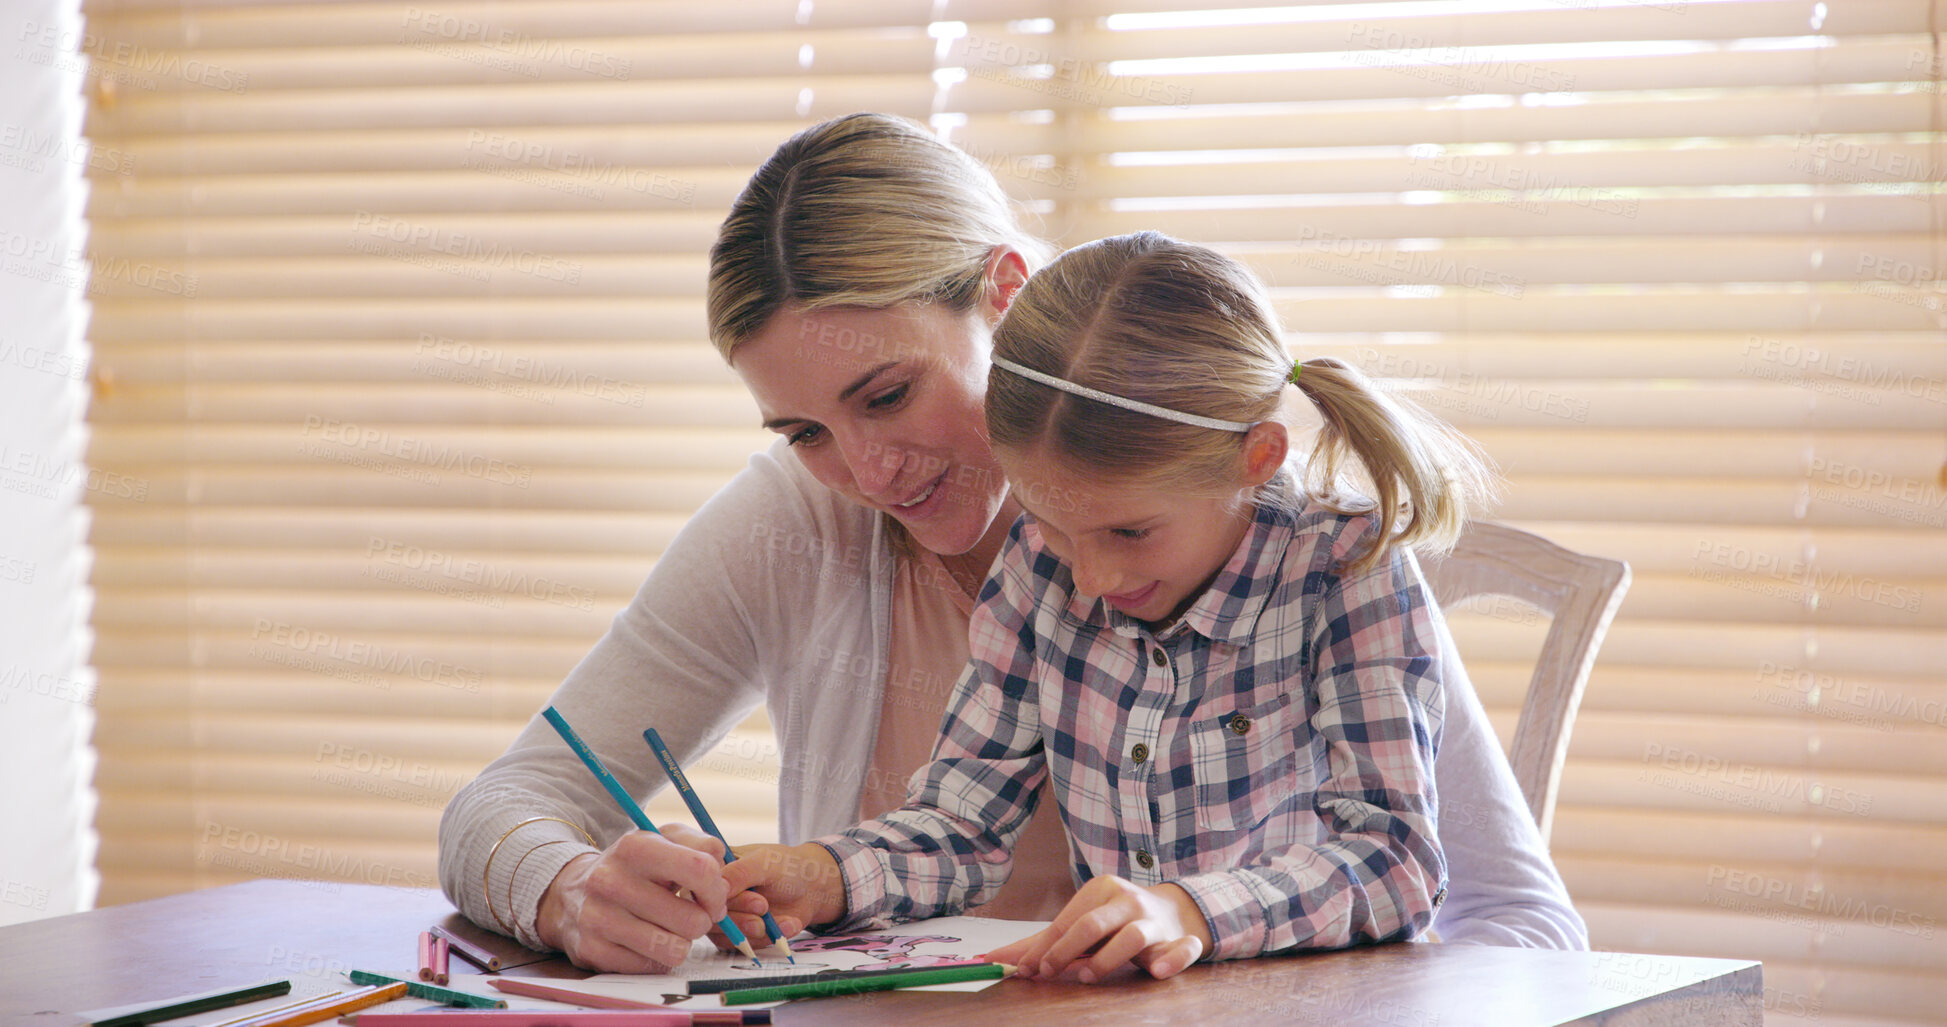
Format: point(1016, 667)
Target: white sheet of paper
point(915, 945)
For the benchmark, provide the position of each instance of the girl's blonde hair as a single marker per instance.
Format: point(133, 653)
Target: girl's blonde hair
point(867, 210)
point(1180, 326)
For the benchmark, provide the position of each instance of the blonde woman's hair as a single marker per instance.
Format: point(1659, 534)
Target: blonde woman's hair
point(867, 210)
point(1180, 326)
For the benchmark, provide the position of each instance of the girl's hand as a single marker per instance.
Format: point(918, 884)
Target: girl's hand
point(618, 910)
point(1112, 921)
point(799, 885)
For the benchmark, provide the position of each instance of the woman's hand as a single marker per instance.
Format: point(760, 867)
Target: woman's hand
point(619, 910)
point(1112, 921)
point(799, 885)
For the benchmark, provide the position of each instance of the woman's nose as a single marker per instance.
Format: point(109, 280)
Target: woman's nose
point(874, 464)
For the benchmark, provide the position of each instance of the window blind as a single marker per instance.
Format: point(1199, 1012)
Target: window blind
point(1676, 267)
point(401, 312)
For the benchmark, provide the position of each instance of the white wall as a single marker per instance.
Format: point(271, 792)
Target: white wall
point(47, 841)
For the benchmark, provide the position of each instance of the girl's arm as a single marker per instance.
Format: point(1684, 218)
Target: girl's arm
point(950, 846)
point(1379, 875)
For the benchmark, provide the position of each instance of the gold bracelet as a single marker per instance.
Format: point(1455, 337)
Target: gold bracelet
point(515, 876)
point(486, 872)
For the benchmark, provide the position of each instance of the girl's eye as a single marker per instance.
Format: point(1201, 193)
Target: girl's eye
point(889, 398)
point(1130, 534)
point(807, 434)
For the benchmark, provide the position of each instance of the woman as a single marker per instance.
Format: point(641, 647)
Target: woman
point(853, 288)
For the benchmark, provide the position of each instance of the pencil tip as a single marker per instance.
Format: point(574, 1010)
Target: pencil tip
point(744, 947)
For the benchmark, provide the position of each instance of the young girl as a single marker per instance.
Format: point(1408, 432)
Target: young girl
point(1230, 679)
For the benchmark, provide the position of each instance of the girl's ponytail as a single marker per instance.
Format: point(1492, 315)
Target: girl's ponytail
point(1416, 464)
point(1174, 325)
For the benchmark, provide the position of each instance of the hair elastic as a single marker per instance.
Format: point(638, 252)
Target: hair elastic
point(1297, 368)
point(1118, 401)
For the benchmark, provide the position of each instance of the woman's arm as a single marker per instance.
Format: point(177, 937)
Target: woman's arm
point(1502, 888)
point(684, 658)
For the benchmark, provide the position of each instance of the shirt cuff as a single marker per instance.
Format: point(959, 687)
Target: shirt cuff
point(863, 873)
point(521, 872)
point(1233, 912)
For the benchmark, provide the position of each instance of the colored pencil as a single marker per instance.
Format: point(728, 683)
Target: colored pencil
point(515, 986)
point(855, 985)
point(628, 804)
point(425, 955)
point(201, 1002)
point(430, 992)
point(709, 826)
point(264, 1014)
point(712, 985)
point(525, 1018)
point(441, 959)
point(467, 950)
point(324, 1007)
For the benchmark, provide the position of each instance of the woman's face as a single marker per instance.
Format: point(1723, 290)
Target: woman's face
point(883, 406)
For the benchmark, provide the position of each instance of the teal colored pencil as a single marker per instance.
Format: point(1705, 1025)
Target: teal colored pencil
point(627, 802)
point(430, 992)
point(855, 985)
point(703, 820)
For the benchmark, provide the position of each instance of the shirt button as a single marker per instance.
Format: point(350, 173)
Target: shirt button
point(1156, 656)
point(1440, 896)
point(1139, 753)
point(1240, 725)
point(1144, 859)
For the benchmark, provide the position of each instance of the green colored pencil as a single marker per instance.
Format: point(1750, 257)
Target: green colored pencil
point(202, 1002)
point(431, 992)
point(855, 985)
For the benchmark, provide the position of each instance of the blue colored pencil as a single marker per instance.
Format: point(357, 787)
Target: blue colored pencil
point(623, 799)
point(695, 803)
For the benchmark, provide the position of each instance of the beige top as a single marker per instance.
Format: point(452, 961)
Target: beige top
point(928, 653)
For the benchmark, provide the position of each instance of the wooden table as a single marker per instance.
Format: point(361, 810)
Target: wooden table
point(50, 970)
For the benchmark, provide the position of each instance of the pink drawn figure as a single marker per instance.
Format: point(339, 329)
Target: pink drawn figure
point(894, 951)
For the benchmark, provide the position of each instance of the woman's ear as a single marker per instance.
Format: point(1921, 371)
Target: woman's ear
point(1007, 272)
point(1265, 447)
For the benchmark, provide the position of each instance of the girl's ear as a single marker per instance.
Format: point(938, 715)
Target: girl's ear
point(1265, 447)
point(1007, 272)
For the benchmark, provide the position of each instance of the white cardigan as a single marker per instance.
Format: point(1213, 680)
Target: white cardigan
point(779, 591)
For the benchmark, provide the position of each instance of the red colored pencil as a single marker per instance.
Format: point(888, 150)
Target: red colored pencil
point(441, 956)
point(425, 955)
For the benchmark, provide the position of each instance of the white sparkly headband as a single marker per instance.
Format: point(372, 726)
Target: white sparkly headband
point(1118, 401)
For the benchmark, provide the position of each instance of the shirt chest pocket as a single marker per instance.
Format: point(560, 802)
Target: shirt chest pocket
point(1244, 763)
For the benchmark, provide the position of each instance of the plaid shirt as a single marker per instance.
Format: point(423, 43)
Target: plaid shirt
point(1271, 752)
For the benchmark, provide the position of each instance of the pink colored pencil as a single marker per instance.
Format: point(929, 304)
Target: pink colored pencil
point(522, 1018)
point(467, 950)
point(425, 955)
point(442, 954)
point(580, 998)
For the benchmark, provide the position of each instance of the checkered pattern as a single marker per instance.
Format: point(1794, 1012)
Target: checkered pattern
point(1271, 752)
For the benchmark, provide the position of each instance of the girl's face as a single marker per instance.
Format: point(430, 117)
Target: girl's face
point(883, 406)
point(1149, 554)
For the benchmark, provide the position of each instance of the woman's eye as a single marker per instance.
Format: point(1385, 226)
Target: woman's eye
point(807, 434)
point(889, 398)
